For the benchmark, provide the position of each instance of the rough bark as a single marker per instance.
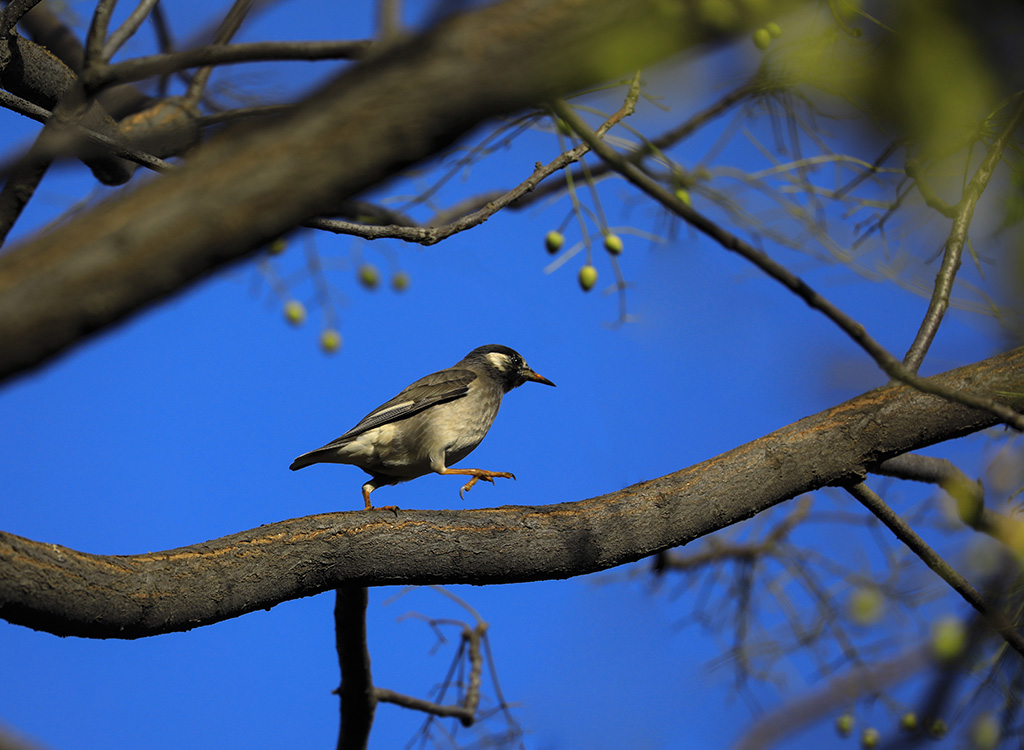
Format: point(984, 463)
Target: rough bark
point(65, 592)
point(254, 183)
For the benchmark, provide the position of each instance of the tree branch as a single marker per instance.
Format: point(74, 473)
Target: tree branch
point(134, 596)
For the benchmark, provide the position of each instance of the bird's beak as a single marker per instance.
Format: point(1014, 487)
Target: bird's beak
point(531, 375)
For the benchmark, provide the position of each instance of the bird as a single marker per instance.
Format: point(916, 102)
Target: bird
point(433, 423)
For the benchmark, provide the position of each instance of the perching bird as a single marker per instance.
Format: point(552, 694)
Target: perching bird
point(435, 422)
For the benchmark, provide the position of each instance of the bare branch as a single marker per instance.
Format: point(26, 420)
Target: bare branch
point(885, 360)
point(955, 243)
point(125, 31)
point(433, 235)
point(140, 68)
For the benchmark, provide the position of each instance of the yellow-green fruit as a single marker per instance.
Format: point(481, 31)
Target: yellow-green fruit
point(773, 29)
point(400, 281)
point(908, 722)
point(277, 246)
point(949, 638)
point(294, 312)
point(330, 341)
point(762, 39)
point(613, 243)
point(869, 738)
point(368, 276)
point(588, 277)
point(683, 195)
point(985, 733)
point(844, 725)
point(938, 729)
point(553, 241)
point(865, 605)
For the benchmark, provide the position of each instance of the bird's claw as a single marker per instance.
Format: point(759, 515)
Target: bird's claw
point(488, 476)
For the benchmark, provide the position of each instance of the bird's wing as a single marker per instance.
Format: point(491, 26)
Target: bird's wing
point(446, 385)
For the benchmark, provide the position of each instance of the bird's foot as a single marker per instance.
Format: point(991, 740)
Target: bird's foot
point(487, 476)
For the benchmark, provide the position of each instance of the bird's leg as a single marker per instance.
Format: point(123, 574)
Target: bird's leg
point(477, 474)
point(367, 489)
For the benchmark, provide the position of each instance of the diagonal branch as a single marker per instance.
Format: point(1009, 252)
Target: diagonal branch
point(885, 360)
point(133, 596)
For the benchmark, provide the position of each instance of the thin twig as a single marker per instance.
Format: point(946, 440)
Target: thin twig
point(128, 28)
point(999, 622)
point(140, 68)
point(955, 244)
point(433, 235)
point(232, 22)
point(96, 37)
point(462, 713)
point(885, 360)
point(116, 148)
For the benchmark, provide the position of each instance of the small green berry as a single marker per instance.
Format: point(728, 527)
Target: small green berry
point(844, 724)
point(949, 638)
point(400, 281)
point(587, 277)
point(869, 738)
point(330, 341)
point(553, 241)
point(683, 195)
point(773, 29)
point(865, 605)
point(294, 312)
point(762, 39)
point(938, 729)
point(277, 246)
point(368, 276)
point(613, 243)
point(908, 722)
point(985, 733)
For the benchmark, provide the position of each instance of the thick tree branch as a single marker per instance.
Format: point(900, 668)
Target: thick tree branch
point(249, 186)
point(65, 592)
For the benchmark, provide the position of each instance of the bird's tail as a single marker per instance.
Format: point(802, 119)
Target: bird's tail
point(306, 459)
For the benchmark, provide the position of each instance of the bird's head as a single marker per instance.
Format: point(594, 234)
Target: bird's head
point(505, 365)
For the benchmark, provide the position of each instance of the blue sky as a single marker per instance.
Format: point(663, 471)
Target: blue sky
point(179, 425)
